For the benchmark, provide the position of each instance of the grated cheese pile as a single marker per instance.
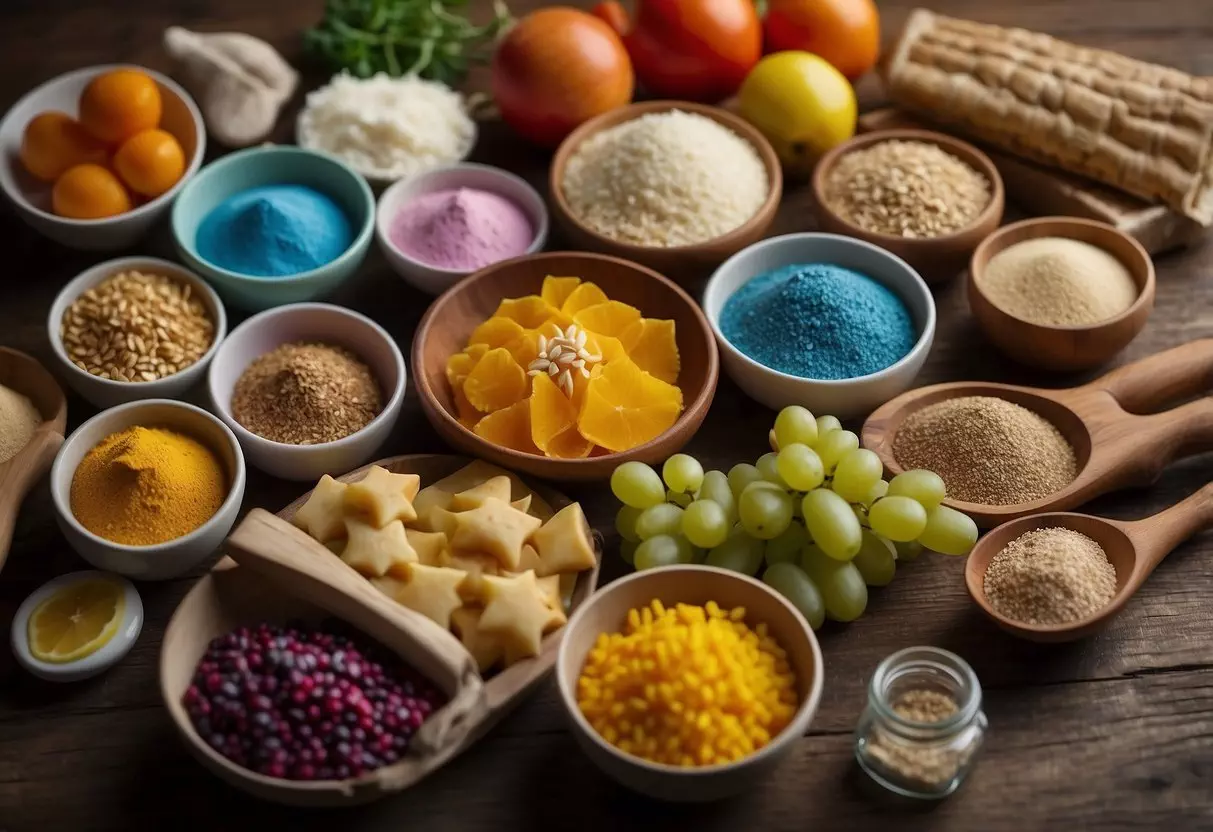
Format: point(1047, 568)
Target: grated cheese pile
point(387, 128)
point(665, 179)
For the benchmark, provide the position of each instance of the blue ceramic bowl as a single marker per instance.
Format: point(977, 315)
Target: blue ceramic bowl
point(274, 165)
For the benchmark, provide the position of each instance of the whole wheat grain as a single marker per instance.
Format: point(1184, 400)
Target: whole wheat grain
point(1050, 576)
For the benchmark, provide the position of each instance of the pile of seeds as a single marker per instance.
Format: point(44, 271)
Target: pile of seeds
point(305, 394)
point(137, 327)
point(1050, 576)
point(906, 189)
point(988, 450)
point(920, 764)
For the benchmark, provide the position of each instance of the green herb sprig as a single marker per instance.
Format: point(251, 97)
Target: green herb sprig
point(402, 37)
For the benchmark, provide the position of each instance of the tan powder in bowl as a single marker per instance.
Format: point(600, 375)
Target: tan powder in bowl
point(1050, 576)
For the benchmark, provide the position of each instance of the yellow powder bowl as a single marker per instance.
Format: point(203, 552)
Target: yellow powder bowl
point(178, 555)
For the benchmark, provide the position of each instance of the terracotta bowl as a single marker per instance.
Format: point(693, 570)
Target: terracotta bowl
point(1063, 348)
point(450, 320)
point(679, 262)
point(937, 259)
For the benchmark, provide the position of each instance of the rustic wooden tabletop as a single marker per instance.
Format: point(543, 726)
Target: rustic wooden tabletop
point(1112, 733)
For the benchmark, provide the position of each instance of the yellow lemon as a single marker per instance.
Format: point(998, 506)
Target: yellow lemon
point(801, 103)
point(76, 621)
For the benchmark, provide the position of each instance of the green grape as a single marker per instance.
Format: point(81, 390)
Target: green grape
point(948, 531)
point(877, 560)
point(637, 485)
point(919, 484)
point(663, 518)
point(825, 424)
point(627, 551)
point(800, 467)
point(686, 552)
point(705, 524)
point(908, 551)
point(662, 550)
point(741, 475)
point(772, 441)
point(625, 523)
point(682, 473)
point(834, 445)
point(786, 547)
point(739, 552)
point(793, 425)
point(832, 524)
point(856, 474)
point(898, 518)
point(716, 488)
point(843, 591)
point(790, 581)
point(861, 514)
point(679, 498)
point(768, 466)
point(765, 511)
point(878, 490)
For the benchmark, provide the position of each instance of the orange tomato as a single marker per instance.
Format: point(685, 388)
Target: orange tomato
point(118, 104)
point(844, 32)
point(559, 67)
point(150, 163)
point(54, 142)
point(89, 192)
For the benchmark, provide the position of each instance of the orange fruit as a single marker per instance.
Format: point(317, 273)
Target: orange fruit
point(558, 319)
point(496, 382)
point(605, 347)
point(497, 331)
point(585, 295)
point(554, 422)
point(118, 104)
point(556, 290)
point(844, 32)
point(458, 366)
point(89, 192)
point(530, 311)
point(150, 162)
point(54, 142)
point(509, 428)
point(626, 407)
point(524, 348)
point(651, 344)
point(610, 318)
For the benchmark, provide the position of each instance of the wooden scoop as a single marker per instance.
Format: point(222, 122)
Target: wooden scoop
point(23, 373)
point(1134, 549)
point(1114, 445)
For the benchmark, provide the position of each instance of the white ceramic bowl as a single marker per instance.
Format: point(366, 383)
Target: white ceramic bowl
point(843, 398)
point(103, 392)
point(431, 279)
point(310, 322)
point(32, 198)
point(162, 560)
point(606, 612)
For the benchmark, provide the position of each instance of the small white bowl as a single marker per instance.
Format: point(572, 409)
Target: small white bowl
point(431, 279)
point(110, 653)
point(161, 560)
point(310, 322)
point(843, 398)
point(32, 198)
point(103, 392)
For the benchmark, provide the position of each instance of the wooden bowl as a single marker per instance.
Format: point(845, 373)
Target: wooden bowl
point(606, 612)
point(1063, 348)
point(679, 262)
point(937, 259)
point(232, 595)
point(450, 320)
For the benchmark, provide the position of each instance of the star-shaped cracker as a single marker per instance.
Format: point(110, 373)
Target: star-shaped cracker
point(429, 546)
point(498, 487)
point(517, 612)
point(427, 500)
point(322, 516)
point(378, 552)
point(476, 566)
point(497, 528)
point(550, 588)
point(382, 497)
point(485, 648)
point(444, 522)
point(432, 591)
point(564, 543)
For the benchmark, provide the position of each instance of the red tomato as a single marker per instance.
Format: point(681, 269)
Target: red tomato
point(844, 32)
point(559, 67)
point(699, 50)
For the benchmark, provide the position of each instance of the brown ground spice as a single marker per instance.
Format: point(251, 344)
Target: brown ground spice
point(919, 764)
point(1050, 576)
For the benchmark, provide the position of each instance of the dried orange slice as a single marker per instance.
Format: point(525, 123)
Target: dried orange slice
point(510, 428)
point(556, 290)
point(496, 332)
point(605, 347)
point(525, 348)
point(626, 407)
point(651, 345)
point(496, 382)
point(583, 297)
point(554, 422)
point(610, 318)
point(530, 310)
point(457, 368)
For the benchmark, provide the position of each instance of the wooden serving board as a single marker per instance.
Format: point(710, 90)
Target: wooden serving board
point(1043, 191)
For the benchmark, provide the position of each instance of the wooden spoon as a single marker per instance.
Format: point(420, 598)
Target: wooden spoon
point(1134, 549)
point(23, 373)
point(1115, 447)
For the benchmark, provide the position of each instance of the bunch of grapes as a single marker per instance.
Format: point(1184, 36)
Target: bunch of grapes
point(815, 515)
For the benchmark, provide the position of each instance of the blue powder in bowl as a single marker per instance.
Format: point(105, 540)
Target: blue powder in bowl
point(818, 321)
point(274, 231)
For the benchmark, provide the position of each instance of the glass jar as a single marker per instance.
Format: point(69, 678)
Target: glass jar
point(923, 726)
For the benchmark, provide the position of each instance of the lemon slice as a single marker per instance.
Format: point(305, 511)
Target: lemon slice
point(76, 621)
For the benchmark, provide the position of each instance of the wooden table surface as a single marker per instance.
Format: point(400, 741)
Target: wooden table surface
point(1113, 733)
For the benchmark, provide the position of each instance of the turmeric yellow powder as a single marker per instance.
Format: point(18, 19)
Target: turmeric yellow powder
point(143, 486)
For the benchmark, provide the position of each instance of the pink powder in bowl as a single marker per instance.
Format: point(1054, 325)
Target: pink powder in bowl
point(461, 229)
